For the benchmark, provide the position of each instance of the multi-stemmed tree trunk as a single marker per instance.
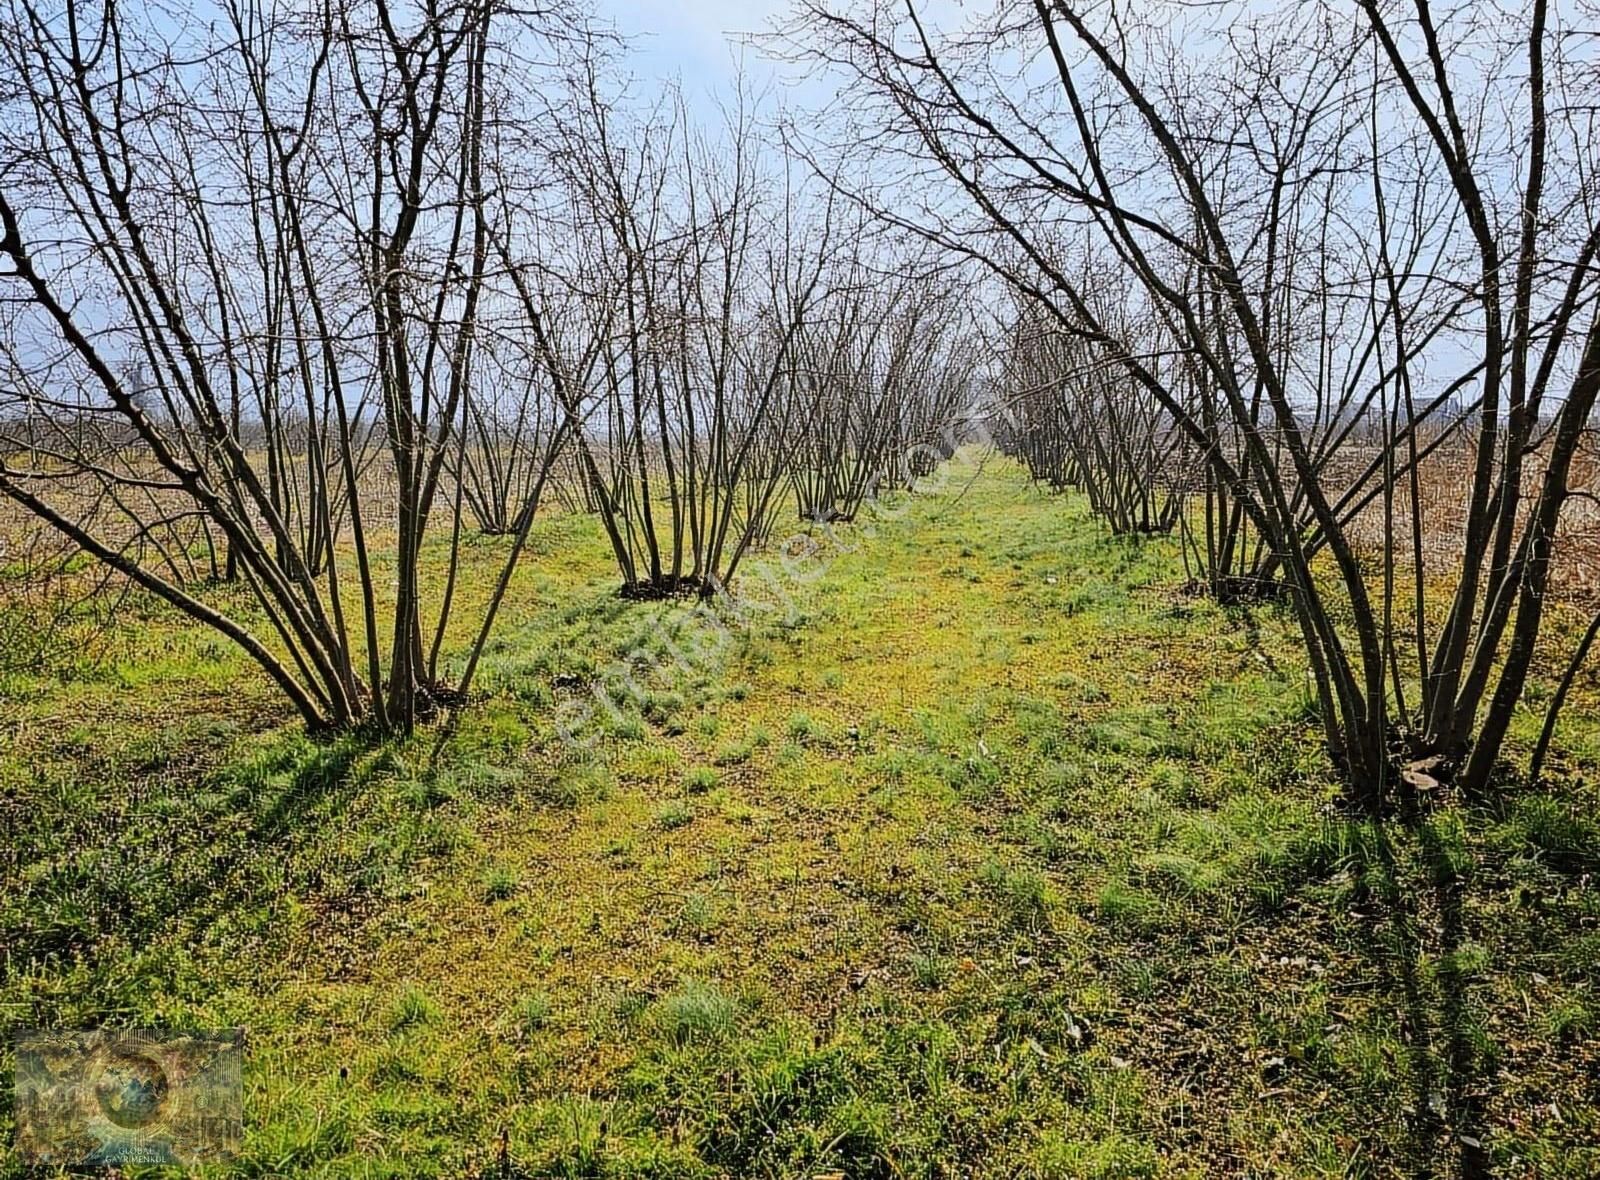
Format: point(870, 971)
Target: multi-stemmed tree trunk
point(885, 366)
point(1331, 245)
point(691, 290)
point(1083, 423)
point(278, 222)
point(510, 420)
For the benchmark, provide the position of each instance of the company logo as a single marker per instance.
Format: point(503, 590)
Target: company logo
point(128, 1097)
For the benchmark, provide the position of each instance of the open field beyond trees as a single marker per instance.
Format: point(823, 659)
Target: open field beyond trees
point(963, 842)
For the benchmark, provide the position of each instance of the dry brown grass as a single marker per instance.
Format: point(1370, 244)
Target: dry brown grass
point(1445, 487)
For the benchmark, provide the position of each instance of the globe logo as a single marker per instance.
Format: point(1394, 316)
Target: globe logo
point(131, 1090)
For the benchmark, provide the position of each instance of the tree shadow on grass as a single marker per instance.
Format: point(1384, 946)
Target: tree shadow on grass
point(1421, 917)
point(165, 858)
point(328, 771)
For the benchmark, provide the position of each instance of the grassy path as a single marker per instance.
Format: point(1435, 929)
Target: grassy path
point(967, 846)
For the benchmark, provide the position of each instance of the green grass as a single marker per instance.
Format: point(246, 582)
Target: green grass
point(531, 1013)
point(412, 1008)
point(499, 883)
point(983, 852)
point(673, 814)
point(696, 1013)
point(700, 779)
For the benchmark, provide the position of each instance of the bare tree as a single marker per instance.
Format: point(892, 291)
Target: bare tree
point(692, 278)
point(280, 224)
point(1340, 256)
point(510, 421)
point(1083, 422)
point(883, 367)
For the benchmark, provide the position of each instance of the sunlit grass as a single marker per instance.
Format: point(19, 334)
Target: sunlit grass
point(987, 854)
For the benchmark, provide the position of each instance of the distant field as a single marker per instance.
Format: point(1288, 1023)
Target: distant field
point(965, 845)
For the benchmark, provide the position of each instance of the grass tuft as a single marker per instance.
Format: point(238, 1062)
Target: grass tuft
point(1023, 894)
point(412, 1008)
point(699, 780)
point(696, 1013)
point(673, 814)
point(499, 883)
